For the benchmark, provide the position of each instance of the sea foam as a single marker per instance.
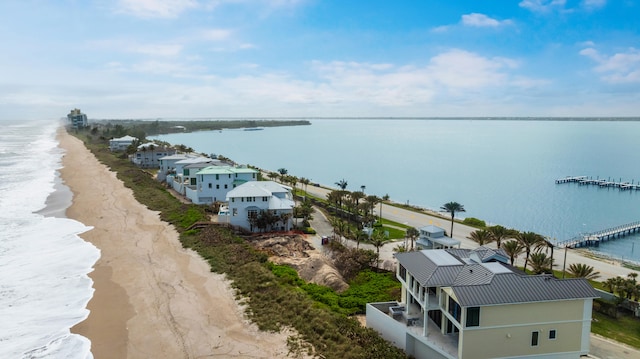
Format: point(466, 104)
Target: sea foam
point(44, 287)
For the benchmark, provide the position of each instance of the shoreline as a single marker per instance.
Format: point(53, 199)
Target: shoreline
point(152, 297)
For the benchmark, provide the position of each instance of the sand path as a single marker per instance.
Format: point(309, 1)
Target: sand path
point(153, 299)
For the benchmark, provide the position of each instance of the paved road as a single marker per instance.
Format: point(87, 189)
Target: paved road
point(601, 348)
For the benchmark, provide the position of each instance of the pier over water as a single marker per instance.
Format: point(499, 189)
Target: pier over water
point(586, 181)
point(593, 239)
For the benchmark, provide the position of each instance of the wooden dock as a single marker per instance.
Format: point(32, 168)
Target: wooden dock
point(608, 183)
point(594, 239)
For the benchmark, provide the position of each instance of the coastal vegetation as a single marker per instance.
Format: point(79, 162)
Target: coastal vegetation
point(275, 297)
point(143, 128)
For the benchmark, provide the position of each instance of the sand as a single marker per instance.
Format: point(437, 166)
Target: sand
point(153, 299)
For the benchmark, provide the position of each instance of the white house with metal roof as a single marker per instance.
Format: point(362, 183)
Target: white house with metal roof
point(432, 237)
point(461, 303)
point(148, 155)
point(121, 144)
point(211, 184)
point(172, 169)
point(261, 206)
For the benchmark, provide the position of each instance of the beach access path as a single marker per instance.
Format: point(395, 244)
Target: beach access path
point(607, 268)
point(152, 299)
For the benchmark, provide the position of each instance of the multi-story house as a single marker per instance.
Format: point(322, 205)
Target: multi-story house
point(261, 206)
point(77, 119)
point(148, 155)
point(121, 144)
point(212, 183)
point(182, 176)
point(460, 303)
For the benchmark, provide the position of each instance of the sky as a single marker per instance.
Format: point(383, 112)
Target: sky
point(319, 58)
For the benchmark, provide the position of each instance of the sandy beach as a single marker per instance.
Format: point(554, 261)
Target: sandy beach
point(153, 299)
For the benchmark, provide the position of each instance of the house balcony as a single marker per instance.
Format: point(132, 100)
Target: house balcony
point(391, 317)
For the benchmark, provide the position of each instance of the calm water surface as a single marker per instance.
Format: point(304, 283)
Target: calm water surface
point(501, 171)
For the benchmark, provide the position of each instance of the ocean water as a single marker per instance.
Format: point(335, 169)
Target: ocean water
point(502, 171)
point(44, 287)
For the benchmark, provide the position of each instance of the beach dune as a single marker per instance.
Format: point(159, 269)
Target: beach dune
point(152, 299)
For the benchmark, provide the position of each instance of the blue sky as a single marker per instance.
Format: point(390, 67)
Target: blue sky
point(314, 58)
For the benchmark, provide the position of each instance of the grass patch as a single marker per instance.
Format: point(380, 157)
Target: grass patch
point(625, 329)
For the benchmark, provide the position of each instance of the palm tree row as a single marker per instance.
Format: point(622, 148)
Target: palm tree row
point(532, 244)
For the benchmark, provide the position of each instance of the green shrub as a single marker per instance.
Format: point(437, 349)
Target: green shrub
point(308, 230)
point(474, 222)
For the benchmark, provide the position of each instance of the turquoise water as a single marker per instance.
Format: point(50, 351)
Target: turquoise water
point(501, 171)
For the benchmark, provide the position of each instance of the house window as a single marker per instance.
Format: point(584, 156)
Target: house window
point(225, 186)
point(253, 175)
point(233, 199)
point(552, 334)
point(253, 213)
point(217, 177)
point(534, 338)
point(217, 186)
point(209, 185)
point(235, 211)
point(265, 199)
point(454, 309)
point(473, 317)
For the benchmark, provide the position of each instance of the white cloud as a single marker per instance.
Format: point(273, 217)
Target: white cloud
point(619, 68)
point(481, 20)
point(155, 8)
point(542, 6)
point(459, 69)
point(128, 46)
point(215, 34)
point(593, 4)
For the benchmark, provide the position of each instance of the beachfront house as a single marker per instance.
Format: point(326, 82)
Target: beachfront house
point(77, 119)
point(261, 206)
point(122, 143)
point(461, 303)
point(182, 176)
point(148, 155)
point(212, 183)
point(433, 237)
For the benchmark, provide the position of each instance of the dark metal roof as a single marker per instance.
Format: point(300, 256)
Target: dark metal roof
point(480, 284)
point(516, 288)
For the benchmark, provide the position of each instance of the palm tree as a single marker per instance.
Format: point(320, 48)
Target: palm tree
point(273, 175)
point(356, 196)
point(500, 233)
point(359, 236)
point(378, 240)
point(412, 234)
point(481, 236)
point(513, 248)
point(371, 202)
point(342, 184)
point(529, 241)
point(540, 263)
point(549, 244)
point(581, 270)
point(452, 207)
